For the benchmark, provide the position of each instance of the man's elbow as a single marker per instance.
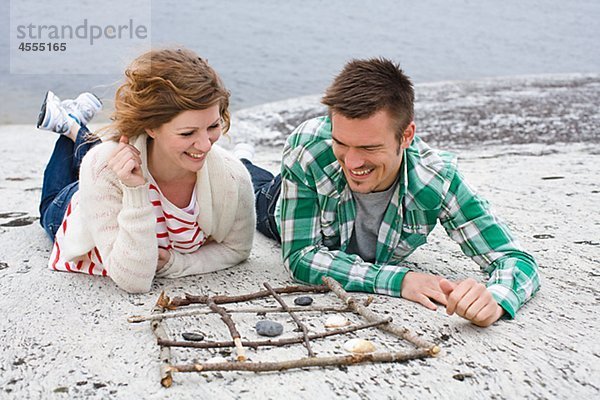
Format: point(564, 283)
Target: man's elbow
point(298, 270)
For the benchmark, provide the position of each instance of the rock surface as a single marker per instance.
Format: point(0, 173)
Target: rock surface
point(547, 190)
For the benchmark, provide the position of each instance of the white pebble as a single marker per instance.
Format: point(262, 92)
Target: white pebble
point(359, 346)
point(336, 321)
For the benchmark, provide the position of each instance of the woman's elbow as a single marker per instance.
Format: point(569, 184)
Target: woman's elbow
point(243, 254)
point(134, 286)
point(137, 289)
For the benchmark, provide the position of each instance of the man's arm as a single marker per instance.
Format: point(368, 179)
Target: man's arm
point(513, 276)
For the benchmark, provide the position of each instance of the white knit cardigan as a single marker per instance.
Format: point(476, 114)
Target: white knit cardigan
point(120, 222)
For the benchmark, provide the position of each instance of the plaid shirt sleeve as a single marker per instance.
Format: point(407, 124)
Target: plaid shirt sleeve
point(488, 241)
point(304, 252)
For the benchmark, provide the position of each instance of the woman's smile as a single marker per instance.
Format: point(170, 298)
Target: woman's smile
point(196, 156)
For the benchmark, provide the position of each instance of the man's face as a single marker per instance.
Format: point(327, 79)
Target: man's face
point(368, 150)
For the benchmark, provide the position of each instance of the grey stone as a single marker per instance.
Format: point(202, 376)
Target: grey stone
point(303, 301)
point(268, 328)
point(194, 337)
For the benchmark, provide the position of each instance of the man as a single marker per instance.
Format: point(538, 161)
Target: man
point(359, 192)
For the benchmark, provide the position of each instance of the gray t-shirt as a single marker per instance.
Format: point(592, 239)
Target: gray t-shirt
point(370, 209)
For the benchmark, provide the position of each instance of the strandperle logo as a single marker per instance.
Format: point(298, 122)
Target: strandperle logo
point(76, 36)
point(85, 30)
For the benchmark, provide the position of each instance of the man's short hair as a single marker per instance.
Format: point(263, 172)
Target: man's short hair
point(365, 87)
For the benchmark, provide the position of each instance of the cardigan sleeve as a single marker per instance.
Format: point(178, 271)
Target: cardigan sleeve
point(237, 242)
point(120, 221)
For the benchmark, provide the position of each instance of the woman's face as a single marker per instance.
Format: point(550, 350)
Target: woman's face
point(181, 144)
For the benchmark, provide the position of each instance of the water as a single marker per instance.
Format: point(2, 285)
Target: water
point(268, 50)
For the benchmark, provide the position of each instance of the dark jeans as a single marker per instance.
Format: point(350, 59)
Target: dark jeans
point(266, 192)
point(61, 178)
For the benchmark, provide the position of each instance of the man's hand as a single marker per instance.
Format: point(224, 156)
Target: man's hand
point(422, 288)
point(163, 258)
point(471, 300)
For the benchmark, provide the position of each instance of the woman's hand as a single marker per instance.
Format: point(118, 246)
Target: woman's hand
point(126, 162)
point(163, 258)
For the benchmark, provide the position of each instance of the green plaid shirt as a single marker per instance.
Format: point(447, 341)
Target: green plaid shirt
point(316, 215)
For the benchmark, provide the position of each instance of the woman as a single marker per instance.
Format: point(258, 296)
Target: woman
point(156, 198)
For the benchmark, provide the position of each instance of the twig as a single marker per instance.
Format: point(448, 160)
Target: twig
point(303, 362)
point(187, 313)
point(369, 315)
point(166, 378)
point(235, 335)
point(294, 317)
point(278, 342)
point(191, 299)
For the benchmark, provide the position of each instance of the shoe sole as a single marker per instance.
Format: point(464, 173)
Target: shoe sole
point(42, 113)
point(98, 98)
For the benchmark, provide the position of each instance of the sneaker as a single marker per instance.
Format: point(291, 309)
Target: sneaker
point(48, 98)
point(84, 107)
point(244, 151)
point(53, 117)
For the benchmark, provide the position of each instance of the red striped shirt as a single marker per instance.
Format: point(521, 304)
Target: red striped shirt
point(176, 229)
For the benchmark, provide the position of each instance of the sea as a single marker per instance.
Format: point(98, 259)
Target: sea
point(267, 50)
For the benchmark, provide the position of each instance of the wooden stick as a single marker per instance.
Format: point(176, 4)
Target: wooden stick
point(266, 310)
point(191, 299)
point(166, 378)
point(368, 300)
point(277, 342)
point(371, 316)
point(294, 317)
point(303, 362)
point(235, 335)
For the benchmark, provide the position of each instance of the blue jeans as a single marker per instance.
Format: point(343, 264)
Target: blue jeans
point(266, 192)
point(61, 178)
